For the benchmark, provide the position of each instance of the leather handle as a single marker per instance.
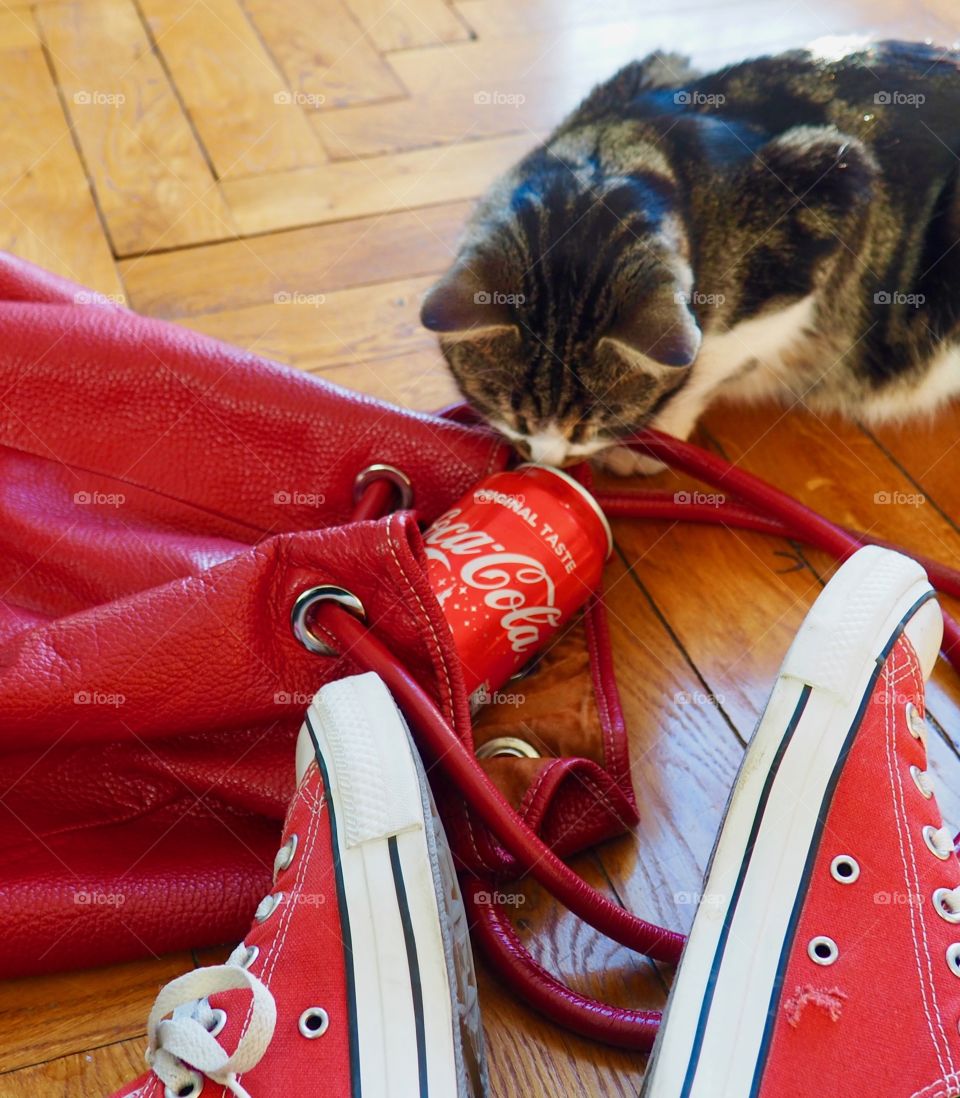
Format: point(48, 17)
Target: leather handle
point(506, 954)
point(533, 856)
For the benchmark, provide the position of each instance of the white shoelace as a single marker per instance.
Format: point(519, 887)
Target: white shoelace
point(183, 1042)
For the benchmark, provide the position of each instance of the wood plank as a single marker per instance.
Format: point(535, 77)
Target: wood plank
point(52, 1016)
point(153, 185)
point(246, 125)
point(312, 330)
point(530, 80)
point(100, 1071)
point(418, 380)
point(326, 257)
point(402, 24)
point(47, 212)
point(360, 188)
point(325, 55)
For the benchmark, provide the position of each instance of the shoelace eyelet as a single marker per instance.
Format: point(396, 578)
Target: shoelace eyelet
point(216, 1022)
point(939, 841)
point(313, 1022)
point(943, 899)
point(823, 950)
point(845, 869)
point(922, 781)
point(187, 1090)
point(267, 906)
point(953, 958)
point(253, 952)
point(285, 855)
point(916, 723)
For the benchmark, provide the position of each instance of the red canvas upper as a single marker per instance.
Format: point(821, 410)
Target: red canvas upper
point(882, 1019)
point(301, 961)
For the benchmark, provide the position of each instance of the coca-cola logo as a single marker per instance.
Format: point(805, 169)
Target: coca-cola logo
point(514, 585)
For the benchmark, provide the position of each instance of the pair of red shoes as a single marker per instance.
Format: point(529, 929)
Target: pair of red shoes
point(824, 958)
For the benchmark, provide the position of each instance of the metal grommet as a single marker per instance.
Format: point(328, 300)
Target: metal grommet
point(253, 952)
point(267, 906)
point(507, 747)
point(953, 958)
point(845, 869)
point(285, 855)
point(930, 836)
point(823, 950)
point(916, 723)
point(922, 781)
point(313, 1022)
point(189, 1089)
point(391, 473)
point(307, 600)
point(217, 1021)
point(943, 898)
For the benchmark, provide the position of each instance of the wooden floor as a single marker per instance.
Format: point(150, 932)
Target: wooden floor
point(290, 175)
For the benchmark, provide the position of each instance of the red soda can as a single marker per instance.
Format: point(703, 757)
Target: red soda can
point(513, 561)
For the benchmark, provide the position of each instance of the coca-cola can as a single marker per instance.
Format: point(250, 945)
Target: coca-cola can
point(513, 561)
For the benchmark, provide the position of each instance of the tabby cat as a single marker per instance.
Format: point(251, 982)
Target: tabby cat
point(788, 227)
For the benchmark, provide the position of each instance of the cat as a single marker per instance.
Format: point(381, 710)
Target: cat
point(789, 227)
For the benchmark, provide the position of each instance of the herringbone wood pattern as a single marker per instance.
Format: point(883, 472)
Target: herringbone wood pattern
point(290, 176)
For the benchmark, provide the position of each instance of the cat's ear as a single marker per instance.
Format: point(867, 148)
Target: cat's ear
point(661, 328)
point(461, 302)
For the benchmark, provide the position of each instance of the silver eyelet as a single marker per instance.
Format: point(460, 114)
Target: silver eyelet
point(922, 781)
point(845, 869)
point(507, 747)
point(285, 855)
point(929, 837)
point(216, 1022)
point(267, 906)
point(187, 1090)
point(942, 898)
point(916, 723)
point(313, 1022)
point(823, 950)
point(307, 600)
point(391, 473)
point(953, 958)
point(253, 952)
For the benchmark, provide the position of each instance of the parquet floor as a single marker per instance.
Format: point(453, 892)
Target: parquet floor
point(289, 175)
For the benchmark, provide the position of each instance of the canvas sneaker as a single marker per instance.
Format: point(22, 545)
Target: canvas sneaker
point(356, 979)
point(824, 958)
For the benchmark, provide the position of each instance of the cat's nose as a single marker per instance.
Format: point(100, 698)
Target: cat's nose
point(548, 448)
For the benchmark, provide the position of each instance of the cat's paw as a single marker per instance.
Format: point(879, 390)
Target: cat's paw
point(624, 462)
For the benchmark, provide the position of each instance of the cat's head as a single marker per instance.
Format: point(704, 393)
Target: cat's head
point(565, 317)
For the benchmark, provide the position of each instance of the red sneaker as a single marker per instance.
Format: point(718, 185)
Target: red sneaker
point(825, 955)
point(356, 977)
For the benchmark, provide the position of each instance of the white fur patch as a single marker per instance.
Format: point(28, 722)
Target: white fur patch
point(835, 47)
point(940, 383)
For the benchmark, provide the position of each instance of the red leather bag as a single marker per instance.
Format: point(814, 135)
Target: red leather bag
point(165, 500)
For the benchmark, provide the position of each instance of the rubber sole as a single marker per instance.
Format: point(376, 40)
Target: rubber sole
point(716, 1025)
point(416, 1030)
